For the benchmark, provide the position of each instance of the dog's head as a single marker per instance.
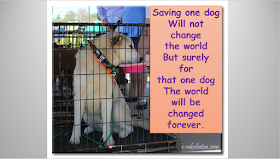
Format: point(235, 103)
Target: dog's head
point(117, 48)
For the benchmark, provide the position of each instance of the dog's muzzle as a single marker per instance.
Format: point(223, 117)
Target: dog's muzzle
point(141, 59)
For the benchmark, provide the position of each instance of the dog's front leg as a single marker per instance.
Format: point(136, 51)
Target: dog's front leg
point(106, 108)
point(79, 106)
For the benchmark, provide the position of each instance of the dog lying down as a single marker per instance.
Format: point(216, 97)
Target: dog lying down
point(93, 88)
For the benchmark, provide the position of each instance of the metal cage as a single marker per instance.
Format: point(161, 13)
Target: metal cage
point(68, 39)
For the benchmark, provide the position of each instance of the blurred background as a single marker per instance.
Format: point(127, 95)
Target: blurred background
point(83, 14)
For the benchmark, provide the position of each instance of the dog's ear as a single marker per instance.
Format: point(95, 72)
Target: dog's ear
point(115, 40)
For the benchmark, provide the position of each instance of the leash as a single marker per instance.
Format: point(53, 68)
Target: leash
point(98, 143)
point(112, 70)
point(109, 67)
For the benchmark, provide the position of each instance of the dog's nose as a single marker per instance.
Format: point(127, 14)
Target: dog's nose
point(141, 59)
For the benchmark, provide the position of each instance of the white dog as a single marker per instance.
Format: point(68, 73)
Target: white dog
point(93, 88)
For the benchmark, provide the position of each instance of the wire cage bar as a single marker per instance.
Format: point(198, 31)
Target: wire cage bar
point(70, 39)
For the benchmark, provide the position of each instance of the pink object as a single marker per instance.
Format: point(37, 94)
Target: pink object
point(133, 68)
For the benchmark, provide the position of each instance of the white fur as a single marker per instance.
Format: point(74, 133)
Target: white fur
point(95, 85)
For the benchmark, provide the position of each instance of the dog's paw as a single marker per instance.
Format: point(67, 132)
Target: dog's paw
point(123, 134)
point(74, 140)
point(88, 130)
point(109, 142)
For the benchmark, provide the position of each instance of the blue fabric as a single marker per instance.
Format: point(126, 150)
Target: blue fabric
point(134, 15)
point(110, 13)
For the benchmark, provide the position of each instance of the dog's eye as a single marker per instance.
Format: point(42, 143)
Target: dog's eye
point(130, 46)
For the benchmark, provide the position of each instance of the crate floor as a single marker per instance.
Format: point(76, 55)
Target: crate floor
point(61, 143)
